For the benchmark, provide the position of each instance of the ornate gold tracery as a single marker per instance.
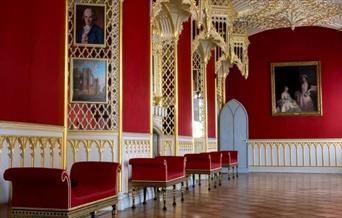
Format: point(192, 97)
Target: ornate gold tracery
point(270, 14)
point(168, 86)
point(97, 116)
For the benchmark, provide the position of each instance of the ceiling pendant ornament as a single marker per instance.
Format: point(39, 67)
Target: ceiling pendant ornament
point(169, 15)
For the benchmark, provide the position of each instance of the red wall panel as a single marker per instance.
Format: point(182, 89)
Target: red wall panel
point(32, 61)
point(211, 96)
point(282, 45)
point(136, 66)
point(184, 81)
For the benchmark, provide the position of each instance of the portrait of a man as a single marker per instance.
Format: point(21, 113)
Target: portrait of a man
point(296, 88)
point(90, 24)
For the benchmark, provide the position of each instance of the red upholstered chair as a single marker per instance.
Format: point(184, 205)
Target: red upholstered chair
point(42, 192)
point(203, 163)
point(230, 160)
point(159, 172)
point(216, 162)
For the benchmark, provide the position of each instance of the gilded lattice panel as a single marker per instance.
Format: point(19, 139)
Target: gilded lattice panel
point(198, 77)
point(97, 116)
point(168, 86)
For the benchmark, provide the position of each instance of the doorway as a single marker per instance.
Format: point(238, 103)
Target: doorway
point(233, 131)
point(156, 143)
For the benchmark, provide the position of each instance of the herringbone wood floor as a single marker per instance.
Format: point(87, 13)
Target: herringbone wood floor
point(251, 195)
point(255, 195)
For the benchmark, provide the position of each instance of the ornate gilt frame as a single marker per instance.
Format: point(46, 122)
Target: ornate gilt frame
point(311, 71)
point(105, 80)
point(104, 24)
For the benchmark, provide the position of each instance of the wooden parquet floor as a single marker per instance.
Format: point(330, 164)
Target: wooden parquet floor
point(254, 195)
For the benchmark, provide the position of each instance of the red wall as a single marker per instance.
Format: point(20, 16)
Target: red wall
point(282, 45)
point(211, 96)
point(184, 81)
point(136, 66)
point(32, 61)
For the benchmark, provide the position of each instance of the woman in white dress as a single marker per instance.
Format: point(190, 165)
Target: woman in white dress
point(303, 96)
point(286, 103)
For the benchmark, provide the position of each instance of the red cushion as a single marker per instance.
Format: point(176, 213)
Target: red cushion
point(83, 194)
point(215, 166)
point(175, 174)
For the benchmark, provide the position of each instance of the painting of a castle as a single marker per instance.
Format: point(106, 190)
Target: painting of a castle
point(89, 80)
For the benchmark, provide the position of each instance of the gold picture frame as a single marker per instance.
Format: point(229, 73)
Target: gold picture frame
point(90, 25)
point(296, 88)
point(88, 80)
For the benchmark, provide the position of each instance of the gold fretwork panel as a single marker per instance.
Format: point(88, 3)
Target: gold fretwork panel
point(97, 116)
point(212, 146)
point(185, 147)
point(261, 15)
point(220, 2)
point(100, 146)
point(168, 86)
point(31, 151)
point(295, 153)
point(137, 148)
point(198, 89)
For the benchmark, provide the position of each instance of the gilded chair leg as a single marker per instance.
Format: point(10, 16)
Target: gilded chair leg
point(155, 193)
point(182, 191)
point(92, 214)
point(199, 179)
point(228, 172)
point(164, 198)
point(209, 182)
point(145, 190)
point(114, 210)
point(133, 198)
point(220, 178)
point(193, 180)
point(187, 183)
point(174, 196)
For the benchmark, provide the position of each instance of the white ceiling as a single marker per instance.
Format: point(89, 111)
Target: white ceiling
point(260, 15)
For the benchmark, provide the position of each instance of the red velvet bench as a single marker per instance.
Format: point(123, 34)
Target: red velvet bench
point(160, 172)
point(230, 161)
point(204, 163)
point(50, 192)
